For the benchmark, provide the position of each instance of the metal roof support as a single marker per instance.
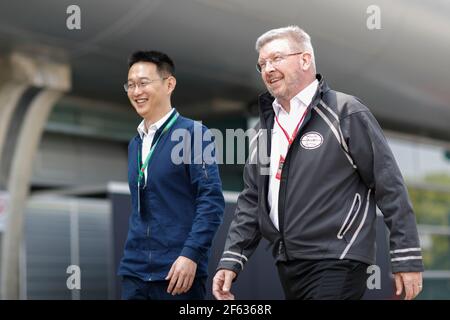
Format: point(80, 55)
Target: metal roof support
point(36, 83)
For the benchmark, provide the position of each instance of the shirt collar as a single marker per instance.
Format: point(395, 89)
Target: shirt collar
point(142, 130)
point(305, 96)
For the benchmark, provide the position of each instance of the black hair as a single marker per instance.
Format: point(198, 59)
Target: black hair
point(164, 64)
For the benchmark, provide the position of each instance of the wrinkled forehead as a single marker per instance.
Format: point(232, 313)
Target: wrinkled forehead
point(281, 45)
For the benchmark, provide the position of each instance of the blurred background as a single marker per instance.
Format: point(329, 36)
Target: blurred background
point(65, 120)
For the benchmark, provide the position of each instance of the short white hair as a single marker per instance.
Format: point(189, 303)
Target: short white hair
point(295, 34)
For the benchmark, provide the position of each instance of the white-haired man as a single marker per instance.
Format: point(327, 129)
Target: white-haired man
point(330, 166)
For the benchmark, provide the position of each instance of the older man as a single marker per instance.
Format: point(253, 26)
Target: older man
point(330, 166)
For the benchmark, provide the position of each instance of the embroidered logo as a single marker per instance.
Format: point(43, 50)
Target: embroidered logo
point(311, 140)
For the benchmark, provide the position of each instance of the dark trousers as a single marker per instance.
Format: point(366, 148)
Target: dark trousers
point(323, 279)
point(136, 289)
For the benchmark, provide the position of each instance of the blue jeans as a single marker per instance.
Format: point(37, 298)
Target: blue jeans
point(136, 289)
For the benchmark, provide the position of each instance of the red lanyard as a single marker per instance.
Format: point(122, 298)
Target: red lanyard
point(294, 134)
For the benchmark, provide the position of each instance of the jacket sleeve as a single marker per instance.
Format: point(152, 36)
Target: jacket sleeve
point(207, 186)
point(243, 234)
point(377, 167)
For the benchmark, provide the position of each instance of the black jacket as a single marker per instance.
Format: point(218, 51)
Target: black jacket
point(337, 170)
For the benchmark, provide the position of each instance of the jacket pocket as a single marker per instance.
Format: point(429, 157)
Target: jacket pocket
point(351, 216)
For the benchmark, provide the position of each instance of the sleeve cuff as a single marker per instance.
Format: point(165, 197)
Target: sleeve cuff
point(191, 253)
point(411, 266)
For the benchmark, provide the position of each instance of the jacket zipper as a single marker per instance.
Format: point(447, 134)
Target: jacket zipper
point(351, 216)
point(204, 170)
point(282, 246)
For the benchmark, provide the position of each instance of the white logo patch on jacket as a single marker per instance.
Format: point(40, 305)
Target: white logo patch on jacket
point(311, 140)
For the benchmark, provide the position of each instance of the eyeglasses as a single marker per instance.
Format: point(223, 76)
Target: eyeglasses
point(275, 61)
point(141, 84)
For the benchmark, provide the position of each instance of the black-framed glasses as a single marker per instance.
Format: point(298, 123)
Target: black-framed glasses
point(141, 84)
point(275, 61)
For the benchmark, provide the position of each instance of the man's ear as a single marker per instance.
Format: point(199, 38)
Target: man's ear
point(171, 84)
point(307, 60)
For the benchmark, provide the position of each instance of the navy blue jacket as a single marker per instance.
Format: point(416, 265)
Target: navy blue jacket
point(181, 204)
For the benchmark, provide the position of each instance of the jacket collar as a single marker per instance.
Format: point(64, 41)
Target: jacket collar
point(265, 100)
point(172, 113)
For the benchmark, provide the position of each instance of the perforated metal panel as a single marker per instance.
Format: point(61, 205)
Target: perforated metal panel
point(60, 232)
point(72, 161)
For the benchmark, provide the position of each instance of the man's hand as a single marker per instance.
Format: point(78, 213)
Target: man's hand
point(222, 284)
point(181, 275)
point(410, 281)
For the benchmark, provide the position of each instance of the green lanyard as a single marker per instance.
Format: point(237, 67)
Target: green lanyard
point(152, 149)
